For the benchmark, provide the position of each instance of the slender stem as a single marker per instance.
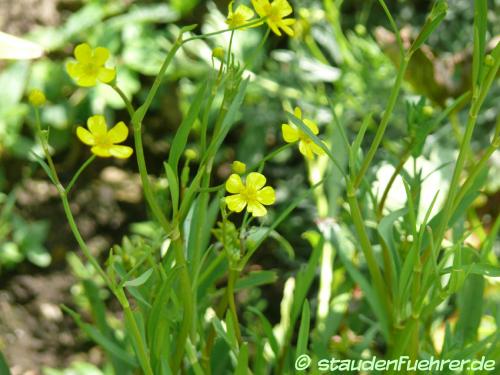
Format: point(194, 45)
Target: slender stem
point(233, 274)
point(228, 62)
point(383, 123)
point(79, 172)
point(368, 252)
point(128, 103)
point(142, 352)
point(477, 101)
point(394, 175)
point(187, 321)
point(209, 35)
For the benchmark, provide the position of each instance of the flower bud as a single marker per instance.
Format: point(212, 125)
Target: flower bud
point(238, 167)
point(191, 154)
point(37, 98)
point(218, 53)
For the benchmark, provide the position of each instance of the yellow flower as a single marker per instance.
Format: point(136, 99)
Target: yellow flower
point(89, 66)
point(239, 17)
point(103, 142)
point(238, 167)
point(253, 194)
point(307, 147)
point(275, 14)
point(37, 98)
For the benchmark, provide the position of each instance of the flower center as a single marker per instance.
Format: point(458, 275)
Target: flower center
point(90, 69)
point(249, 194)
point(273, 14)
point(102, 140)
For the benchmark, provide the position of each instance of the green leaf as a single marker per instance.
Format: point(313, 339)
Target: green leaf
point(173, 186)
point(242, 366)
point(255, 279)
point(101, 340)
point(437, 14)
point(181, 136)
point(356, 145)
point(303, 336)
point(268, 331)
point(4, 367)
point(139, 280)
point(480, 26)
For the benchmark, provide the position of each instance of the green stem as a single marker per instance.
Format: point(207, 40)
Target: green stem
point(79, 172)
point(142, 352)
point(187, 293)
point(368, 252)
point(383, 123)
point(477, 101)
point(394, 175)
point(128, 104)
point(233, 274)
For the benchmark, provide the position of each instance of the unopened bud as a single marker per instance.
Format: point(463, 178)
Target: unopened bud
point(238, 167)
point(37, 98)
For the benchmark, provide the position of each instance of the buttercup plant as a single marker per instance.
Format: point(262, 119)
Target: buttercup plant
point(178, 293)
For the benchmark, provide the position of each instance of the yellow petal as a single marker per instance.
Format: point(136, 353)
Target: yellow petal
point(86, 80)
point(288, 30)
point(283, 6)
point(235, 203)
point(260, 7)
point(256, 180)
point(71, 68)
point(85, 136)
point(256, 209)
point(101, 55)
point(106, 75)
point(234, 184)
point(266, 195)
point(312, 126)
point(297, 112)
point(101, 151)
point(305, 149)
point(118, 133)
point(290, 134)
point(97, 125)
point(274, 27)
point(83, 53)
point(245, 12)
point(121, 152)
point(316, 149)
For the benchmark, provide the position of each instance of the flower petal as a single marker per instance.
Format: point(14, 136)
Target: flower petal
point(97, 125)
point(255, 180)
point(72, 69)
point(86, 81)
point(311, 125)
point(287, 29)
point(283, 6)
point(305, 149)
point(246, 12)
point(118, 133)
point(316, 149)
point(274, 27)
point(106, 75)
point(85, 136)
point(121, 152)
point(234, 184)
point(297, 112)
point(290, 134)
point(260, 7)
point(83, 53)
point(101, 55)
point(235, 203)
point(256, 209)
point(101, 151)
point(266, 195)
